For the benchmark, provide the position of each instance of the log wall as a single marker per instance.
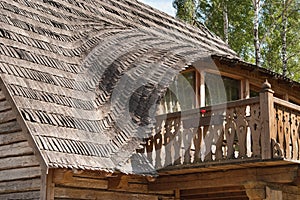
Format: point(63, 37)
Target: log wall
point(66, 184)
point(19, 168)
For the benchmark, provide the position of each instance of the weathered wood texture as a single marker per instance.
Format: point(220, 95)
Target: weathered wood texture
point(259, 128)
point(286, 137)
point(228, 185)
point(68, 184)
point(229, 178)
point(64, 93)
point(223, 132)
point(19, 168)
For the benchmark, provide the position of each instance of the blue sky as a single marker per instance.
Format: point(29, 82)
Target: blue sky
point(163, 5)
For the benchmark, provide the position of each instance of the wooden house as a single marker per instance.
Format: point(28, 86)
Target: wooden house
point(111, 99)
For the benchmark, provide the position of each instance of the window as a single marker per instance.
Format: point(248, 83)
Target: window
point(220, 89)
point(254, 91)
point(180, 94)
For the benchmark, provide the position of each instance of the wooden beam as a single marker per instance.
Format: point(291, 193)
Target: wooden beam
point(281, 174)
point(199, 191)
point(20, 161)
point(22, 195)
point(20, 185)
point(220, 196)
point(20, 173)
point(50, 185)
point(68, 178)
point(20, 124)
point(15, 149)
point(76, 193)
point(9, 127)
point(8, 138)
point(7, 116)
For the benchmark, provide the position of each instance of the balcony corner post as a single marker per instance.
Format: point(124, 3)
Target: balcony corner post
point(267, 119)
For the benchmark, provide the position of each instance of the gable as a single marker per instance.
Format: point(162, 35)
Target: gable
point(20, 171)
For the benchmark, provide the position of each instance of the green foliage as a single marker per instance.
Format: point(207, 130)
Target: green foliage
point(186, 10)
point(240, 32)
point(273, 30)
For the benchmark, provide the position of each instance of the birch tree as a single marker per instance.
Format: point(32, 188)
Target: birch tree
point(225, 21)
point(264, 32)
point(256, 7)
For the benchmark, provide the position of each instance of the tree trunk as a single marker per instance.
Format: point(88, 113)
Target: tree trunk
point(256, 7)
point(283, 38)
point(225, 21)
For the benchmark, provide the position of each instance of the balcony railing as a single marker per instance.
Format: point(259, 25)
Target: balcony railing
point(260, 128)
point(286, 137)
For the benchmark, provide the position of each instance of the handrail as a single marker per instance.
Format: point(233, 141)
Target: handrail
point(263, 127)
point(219, 133)
point(194, 111)
point(286, 137)
point(286, 104)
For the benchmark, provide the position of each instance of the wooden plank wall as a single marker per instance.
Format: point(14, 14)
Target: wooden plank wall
point(80, 185)
point(20, 173)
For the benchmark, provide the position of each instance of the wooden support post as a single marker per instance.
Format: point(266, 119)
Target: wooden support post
point(245, 89)
point(177, 194)
point(273, 194)
point(197, 89)
point(267, 119)
point(290, 192)
point(202, 89)
point(118, 183)
point(255, 190)
point(47, 185)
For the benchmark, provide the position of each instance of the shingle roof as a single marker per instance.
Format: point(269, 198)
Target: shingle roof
point(85, 73)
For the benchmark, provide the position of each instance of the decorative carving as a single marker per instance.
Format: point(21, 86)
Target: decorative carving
point(241, 130)
point(287, 134)
point(255, 128)
point(230, 133)
point(276, 149)
point(239, 136)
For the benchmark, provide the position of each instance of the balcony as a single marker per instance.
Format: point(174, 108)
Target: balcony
point(258, 129)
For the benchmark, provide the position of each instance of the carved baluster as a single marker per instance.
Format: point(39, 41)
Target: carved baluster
point(149, 149)
point(280, 126)
point(298, 135)
point(230, 133)
point(157, 140)
point(241, 125)
point(219, 137)
point(294, 136)
point(168, 141)
point(177, 141)
point(197, 144)
point(208, 134)
point(187, 140)
point(287, 134)
point(255, 128)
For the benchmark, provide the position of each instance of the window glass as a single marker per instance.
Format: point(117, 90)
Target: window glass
point(180, 94)
point(254, 91)
point(220, 89)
